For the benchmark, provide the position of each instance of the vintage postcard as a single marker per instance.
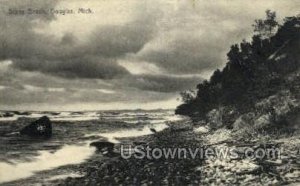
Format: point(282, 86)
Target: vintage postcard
point(149, 92)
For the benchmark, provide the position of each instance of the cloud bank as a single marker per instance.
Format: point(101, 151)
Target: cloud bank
point(124, 52)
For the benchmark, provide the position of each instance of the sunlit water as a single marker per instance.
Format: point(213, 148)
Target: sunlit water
point(23, 157)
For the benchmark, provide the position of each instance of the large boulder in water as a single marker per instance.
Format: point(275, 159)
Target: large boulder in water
point(39, 128)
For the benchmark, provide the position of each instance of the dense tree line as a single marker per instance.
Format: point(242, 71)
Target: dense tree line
point(254, 69)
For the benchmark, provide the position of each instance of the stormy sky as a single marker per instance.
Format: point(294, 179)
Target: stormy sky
point(126, 54)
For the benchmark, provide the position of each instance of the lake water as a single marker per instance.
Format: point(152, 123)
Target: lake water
point(22, 157)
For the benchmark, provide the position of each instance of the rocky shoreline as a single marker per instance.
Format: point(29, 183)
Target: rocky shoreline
point(192, 171)
point(132, 171)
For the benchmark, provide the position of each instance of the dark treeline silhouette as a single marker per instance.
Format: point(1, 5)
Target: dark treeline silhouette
point(254, 70)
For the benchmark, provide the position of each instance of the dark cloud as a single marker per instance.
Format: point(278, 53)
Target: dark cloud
point(95, 57)
point(81, 67)
point(184, 56)
point(195, 38)
point(116, 41)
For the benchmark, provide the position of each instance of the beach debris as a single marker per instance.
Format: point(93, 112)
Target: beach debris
point(103, 146)
point(153, 130)
point(39, 128)
point(7, 114)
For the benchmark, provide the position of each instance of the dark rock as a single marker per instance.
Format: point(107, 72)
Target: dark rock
point(103, 145)
point(55, 113)
point(39, 128)
point(153, 130)
point(8, 114)
point(22, 113)
point(77, 113)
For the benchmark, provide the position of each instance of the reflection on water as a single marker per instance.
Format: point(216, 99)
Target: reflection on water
point(69, 154)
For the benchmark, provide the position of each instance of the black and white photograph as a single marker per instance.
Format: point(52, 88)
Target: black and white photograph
point(149, 92)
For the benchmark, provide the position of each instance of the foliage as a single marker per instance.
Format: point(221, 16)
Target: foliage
point(255, 70)
point(266, 28)
point(188, 96)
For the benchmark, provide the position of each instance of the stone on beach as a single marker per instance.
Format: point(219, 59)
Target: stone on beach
point(103, 145)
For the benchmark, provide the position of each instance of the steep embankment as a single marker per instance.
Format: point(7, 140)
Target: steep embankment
point(258, 89)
